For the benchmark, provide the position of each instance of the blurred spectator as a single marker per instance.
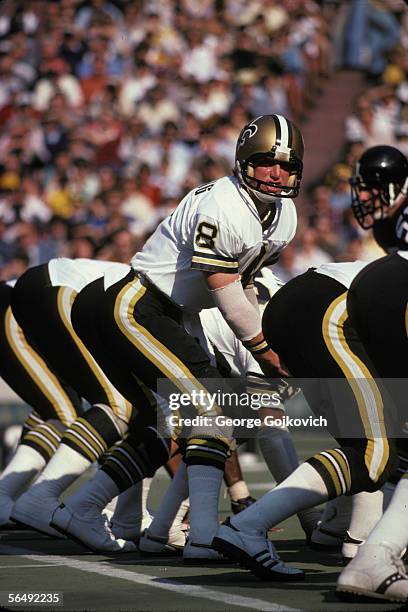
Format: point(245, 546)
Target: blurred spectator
point(372, 31)
point(309, 254)
point(372, 124)
point(112, 110)
point(56, 78)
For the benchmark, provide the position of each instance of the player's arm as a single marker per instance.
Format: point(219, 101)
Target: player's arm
point(244, 318)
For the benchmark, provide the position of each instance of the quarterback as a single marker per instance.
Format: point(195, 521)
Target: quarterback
point(204, 255)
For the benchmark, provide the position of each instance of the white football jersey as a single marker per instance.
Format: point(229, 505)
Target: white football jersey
point(76, 273)
point(343, 272)
point(215, 228)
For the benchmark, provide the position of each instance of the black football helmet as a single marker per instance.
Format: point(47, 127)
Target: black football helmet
point(270, 137)
point(381, 175)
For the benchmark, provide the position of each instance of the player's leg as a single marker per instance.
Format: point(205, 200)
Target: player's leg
point(145, 327)
point(55, 405)
point(80, 516)
point(164, 536)
point(279, 452)
point(377, 570)
point(48, 326)
point(237, 488)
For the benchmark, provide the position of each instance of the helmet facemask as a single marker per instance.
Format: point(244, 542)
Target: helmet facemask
point(376, 202)
point(257, 186)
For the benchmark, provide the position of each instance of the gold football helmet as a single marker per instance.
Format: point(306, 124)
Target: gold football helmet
point(270, 138)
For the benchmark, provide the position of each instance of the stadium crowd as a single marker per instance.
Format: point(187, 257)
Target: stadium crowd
point(112, 111)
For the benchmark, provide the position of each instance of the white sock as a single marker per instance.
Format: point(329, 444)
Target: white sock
point(131, 505)
point(239, 490)
point(393, 526)
point(94, 495)
point(302, 489)
point(63, 468)
point(170, 506)
point(147, 483)
point(129, 511)
point(181, 513)
point(204, 483)
point(388, 491)
point(367, 511)
point(24, 465)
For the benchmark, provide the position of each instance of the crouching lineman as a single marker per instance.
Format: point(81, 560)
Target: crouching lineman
point(54, 404)
point(41, 302)
point(206, 254)
point(377, 306)
point(306, 323)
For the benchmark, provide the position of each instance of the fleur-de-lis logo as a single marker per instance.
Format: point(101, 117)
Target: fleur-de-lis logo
point(250, 130)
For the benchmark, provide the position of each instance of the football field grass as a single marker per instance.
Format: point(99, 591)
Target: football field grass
point(32, 562)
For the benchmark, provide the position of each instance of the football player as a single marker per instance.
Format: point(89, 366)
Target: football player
point(306, 323)
point(54, 404)
point(377, 306)
point(41, 303)
point(206, 254)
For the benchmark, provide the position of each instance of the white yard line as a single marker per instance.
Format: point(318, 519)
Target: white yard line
point(19, 566)
point(189, 590)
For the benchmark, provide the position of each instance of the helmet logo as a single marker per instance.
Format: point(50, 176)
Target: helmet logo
point(249, 131)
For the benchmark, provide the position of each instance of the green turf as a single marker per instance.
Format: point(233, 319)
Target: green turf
point(84, 590)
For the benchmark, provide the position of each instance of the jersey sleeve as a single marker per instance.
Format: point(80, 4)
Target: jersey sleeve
point(215, 247)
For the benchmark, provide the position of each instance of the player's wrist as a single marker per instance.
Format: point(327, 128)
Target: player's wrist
point(257, 347)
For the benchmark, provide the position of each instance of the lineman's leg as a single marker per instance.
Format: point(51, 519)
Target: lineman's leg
point(145, 327)
point(367, 510)
point(55, 404)
point(164, 535)
point(80, 516)
point(278, 450)
point(39, 441)
point(47, 324)
point(378, 570)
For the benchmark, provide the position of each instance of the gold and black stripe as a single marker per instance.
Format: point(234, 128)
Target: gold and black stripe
point(257, 349)
point(84, 439)
point(137, 457)
point(32, 421)
point(333, 467)
point(211, 262)
point(44, 439)
point(206, 451)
